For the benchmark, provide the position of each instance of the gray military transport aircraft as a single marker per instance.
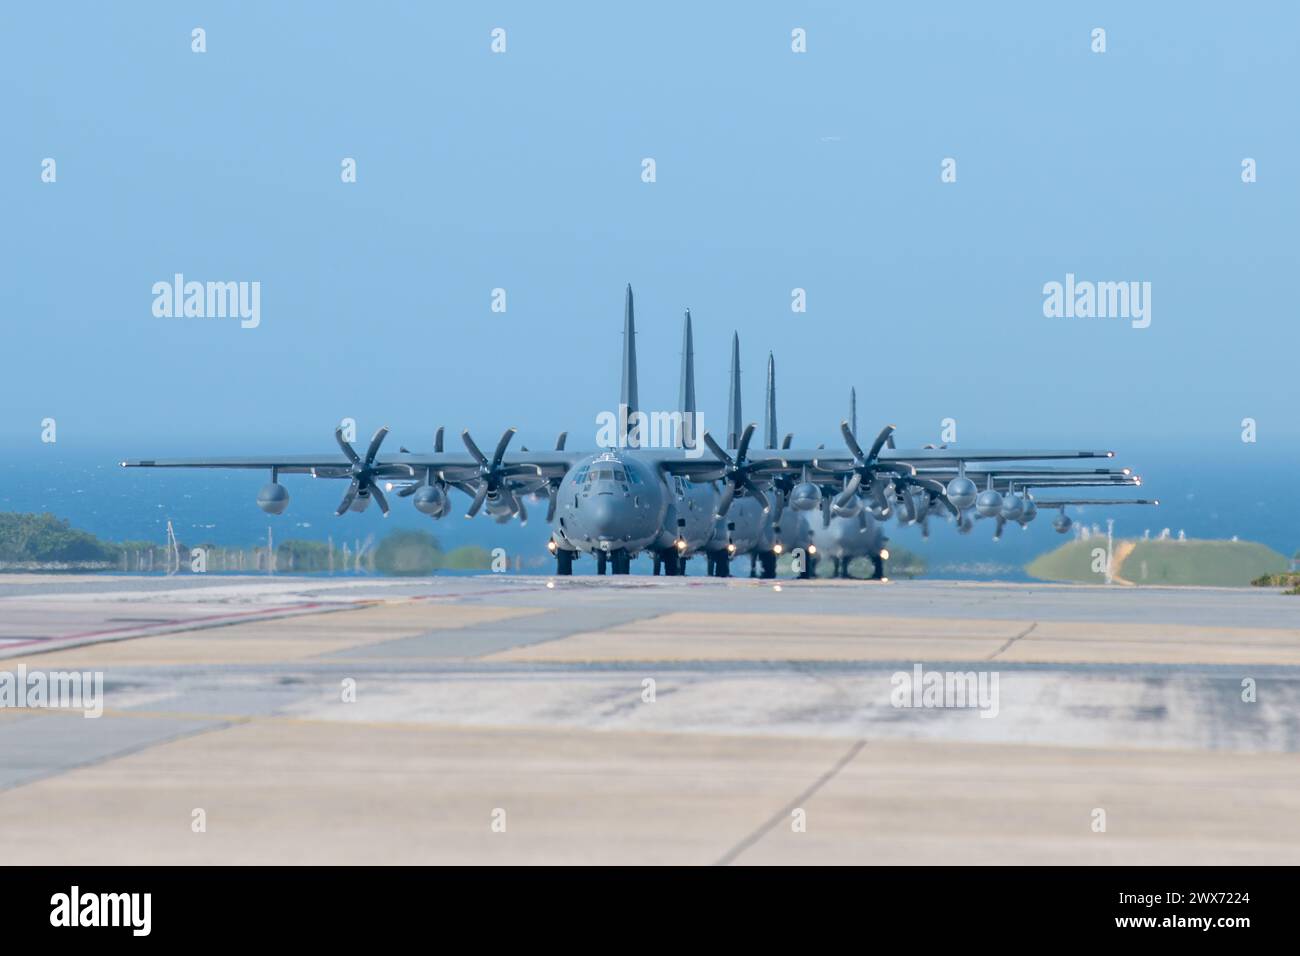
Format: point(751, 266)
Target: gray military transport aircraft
point(674, 501)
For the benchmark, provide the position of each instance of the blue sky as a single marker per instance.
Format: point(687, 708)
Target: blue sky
point(522, 171)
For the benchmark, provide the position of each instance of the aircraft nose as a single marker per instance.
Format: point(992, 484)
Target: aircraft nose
point(601, 513)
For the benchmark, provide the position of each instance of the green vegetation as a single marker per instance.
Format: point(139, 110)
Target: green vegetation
point(1191, 562)
point(1072, 561)
point(408, 553)
point(42, 542)
point(469, 557)
point(30, 539)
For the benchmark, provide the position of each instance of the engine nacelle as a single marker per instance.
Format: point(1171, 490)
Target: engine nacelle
point(273, 498)
point(361, 502)
point(1062, 523)
point(805, 496)
point(431, 500)
point(988, 504)
point(1028, 511)
point(962, 492)
point(500, 506)
point(1012, 507)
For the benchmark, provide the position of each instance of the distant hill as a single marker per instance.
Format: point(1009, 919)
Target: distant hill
point(1216, 563)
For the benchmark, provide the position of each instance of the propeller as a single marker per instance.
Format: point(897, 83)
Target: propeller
point(737, 472)
point(365, 473)
point(494, 478)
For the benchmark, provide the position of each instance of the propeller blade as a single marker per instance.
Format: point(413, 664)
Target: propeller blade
point(851, 441)
point(725, 499)
point(347, 449)
point(348, 497)
point(379, 499)
point(745, 437)
point(473, 448)
point(850, 489)
point(997, 532)
point(717, 449)
point(778, 506)
point(939, 492)
point(909, 508)
point(758, 496)
point(437, 441)
point(826, 511)
point(559, 442)
point(500, 452)
point(785, 442)
point(479, 497)
point(410, 489)
point(375, 442)
point(886, 435)
point(550, 504)
point(522, 511)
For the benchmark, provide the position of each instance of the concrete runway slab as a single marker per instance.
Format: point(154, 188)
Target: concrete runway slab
point(473, 694)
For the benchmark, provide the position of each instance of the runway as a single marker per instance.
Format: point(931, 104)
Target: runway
point(520, 719)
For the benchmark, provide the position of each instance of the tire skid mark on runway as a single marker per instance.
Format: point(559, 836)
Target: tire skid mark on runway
point(1007, 645)
point(63, 642)
point(784, 813)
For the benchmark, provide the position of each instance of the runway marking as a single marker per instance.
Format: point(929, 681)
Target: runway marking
point(784, 813)
point(1024, 633)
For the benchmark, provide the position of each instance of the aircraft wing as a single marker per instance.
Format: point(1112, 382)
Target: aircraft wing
point(1066, 503)
point(772, 460)
point(402, 465)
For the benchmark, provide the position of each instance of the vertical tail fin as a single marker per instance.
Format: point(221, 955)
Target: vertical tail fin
point(734, 425)
point(769, 409)
point(627, 394)
point(686, 396)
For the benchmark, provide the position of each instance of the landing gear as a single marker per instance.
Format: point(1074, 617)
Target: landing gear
point(563, 562)
point(768, 560)
point(878, 568)
point(602, 558)
point(809, 568)
point(719, 564)
point(671, 561)
point(841, 567)
point(622, 561)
